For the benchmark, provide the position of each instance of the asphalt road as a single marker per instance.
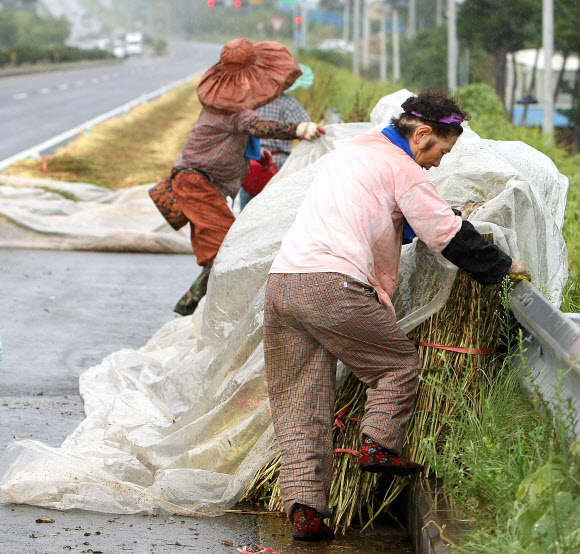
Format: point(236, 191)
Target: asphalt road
point(36, 107)
point(60, 314)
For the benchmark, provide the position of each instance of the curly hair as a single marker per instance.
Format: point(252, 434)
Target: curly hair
point(432, 105)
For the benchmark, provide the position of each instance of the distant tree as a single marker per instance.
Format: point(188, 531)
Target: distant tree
point(24, 28)
point(331, 5)
point(424, 59)
point(426, 13)
point(499, 27)
point(567, 41)
point(566, 35)
point(40, 32)
point(8, 28)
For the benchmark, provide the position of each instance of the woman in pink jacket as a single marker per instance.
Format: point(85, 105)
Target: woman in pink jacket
point(329, 292)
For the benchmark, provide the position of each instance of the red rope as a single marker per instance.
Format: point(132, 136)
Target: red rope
point(346, 451)
point(339, 416)
point(460, 349)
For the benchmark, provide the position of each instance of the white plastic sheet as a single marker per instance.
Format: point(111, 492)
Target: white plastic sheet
point(183, 423)
point(56, 215)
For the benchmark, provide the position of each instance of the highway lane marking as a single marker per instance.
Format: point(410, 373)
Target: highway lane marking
point(63, 86)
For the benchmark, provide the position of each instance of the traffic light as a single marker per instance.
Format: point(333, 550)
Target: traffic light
point(237, 3)
point(210, 3)
point(298, 20)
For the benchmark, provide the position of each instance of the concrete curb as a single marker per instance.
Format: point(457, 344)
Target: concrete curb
point(428, 515)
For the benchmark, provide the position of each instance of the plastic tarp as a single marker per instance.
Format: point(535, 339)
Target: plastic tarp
point(40, 213)
point(183, 423)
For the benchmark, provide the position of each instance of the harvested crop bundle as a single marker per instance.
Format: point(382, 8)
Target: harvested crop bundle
point(458, 342)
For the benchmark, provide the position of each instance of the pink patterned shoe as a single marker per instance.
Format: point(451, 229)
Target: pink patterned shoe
point(377, 459)
point(309, 525)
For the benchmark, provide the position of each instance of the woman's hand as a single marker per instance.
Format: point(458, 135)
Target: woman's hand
point(266, 160)
point(309, 131)
point(519, 269)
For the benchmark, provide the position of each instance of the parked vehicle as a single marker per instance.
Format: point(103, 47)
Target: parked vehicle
point(119, 50)
point(134, 43)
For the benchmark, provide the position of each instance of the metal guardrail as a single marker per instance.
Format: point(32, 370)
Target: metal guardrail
point(552, 353)
point(552, 348)
point(36, 151)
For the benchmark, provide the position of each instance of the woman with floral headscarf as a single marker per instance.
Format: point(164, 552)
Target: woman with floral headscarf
point(213, 162)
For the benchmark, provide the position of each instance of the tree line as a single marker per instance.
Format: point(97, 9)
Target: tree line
point(26, 38)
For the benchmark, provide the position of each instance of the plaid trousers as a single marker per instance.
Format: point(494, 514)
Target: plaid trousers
point(310, 321)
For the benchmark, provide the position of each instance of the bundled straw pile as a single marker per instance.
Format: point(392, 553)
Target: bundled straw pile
point(469, 319)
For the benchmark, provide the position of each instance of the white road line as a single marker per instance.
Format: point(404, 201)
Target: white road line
point(64, 86)
point(79, 83)
point(20, 96)
point(44, 90)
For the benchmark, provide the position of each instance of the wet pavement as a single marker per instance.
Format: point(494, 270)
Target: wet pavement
point(63, 312)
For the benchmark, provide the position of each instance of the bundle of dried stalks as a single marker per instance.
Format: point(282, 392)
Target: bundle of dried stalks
point(469, 319)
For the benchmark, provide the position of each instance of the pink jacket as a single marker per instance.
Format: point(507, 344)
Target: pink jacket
point(351, 220)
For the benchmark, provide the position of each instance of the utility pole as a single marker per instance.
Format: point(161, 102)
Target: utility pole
point(439, 13)
point(366, 35)
point(451, 44)
point(383, 42)
point(304, 31)
point(356, 37)
point(412, 19)
point(396, 49)
point(296, 27)
point(346, 22)
point(548, 45)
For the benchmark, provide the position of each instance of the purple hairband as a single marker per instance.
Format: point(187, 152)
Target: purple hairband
point(453, 118)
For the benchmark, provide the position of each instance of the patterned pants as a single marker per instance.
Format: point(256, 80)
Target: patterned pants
point(189, 301)
point(310, 321)
point(208, 212)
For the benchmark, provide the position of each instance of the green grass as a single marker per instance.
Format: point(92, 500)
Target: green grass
point(132, 149)
point(335, 87)
point(508, 470)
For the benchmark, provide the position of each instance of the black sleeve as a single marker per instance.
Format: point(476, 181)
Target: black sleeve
point(482, 260)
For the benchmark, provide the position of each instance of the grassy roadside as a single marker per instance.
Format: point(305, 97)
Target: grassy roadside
point(125, 151)
point(510, 470)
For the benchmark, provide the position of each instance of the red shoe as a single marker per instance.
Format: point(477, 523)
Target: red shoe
point(377, 459)
point(309, 525)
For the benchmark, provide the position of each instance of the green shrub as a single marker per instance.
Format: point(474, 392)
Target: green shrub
point(28, 55)
point(337, 88)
